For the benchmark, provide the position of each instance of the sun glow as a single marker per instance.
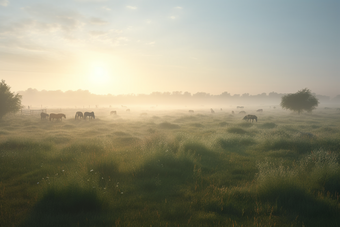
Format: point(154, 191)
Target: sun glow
point(99, 74)
point(102, 74)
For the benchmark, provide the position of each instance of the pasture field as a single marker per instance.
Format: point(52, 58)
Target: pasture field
point(171, 168)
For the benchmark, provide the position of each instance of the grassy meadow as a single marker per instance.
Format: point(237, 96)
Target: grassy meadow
point(171, 168)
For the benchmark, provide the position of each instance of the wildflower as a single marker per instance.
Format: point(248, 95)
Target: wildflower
point(91, 170)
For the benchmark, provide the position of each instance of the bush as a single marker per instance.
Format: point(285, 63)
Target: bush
point(9, 102)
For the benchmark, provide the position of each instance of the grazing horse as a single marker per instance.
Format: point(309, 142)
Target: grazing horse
point(79, 115)
point(113, 113)
point(250, 118)
point(90, 115)
point(259, 110)
point(57, 116)
point(44, 115)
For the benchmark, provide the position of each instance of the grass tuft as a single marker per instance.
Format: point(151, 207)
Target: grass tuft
point(268, 125)
point(167, 125)
point(72, 199)
point(234, 142)
point(237, 130)
point(69, 206)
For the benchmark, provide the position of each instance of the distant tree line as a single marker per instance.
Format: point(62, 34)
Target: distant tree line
point(83, 98)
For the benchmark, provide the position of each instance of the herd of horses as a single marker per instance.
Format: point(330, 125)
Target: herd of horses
point(80, 115)
point(90, 115)
point(60, 116)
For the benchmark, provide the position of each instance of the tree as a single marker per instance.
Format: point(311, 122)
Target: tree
point(300, 101)
point(9, 102)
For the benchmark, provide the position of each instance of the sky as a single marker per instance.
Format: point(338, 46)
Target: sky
point(144, 46)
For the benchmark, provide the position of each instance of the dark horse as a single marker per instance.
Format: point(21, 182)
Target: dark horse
point(250, 118)
point(44, 115)
point(79, 115)
point(57, 116)
point(90, 115)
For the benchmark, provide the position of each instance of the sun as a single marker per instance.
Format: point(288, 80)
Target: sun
point(99, 73)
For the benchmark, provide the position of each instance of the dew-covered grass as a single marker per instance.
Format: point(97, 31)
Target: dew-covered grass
point(171, 168)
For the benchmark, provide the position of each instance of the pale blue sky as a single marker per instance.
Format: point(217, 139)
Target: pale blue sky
point(143, 46)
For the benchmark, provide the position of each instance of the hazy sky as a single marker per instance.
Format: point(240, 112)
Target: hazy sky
point(144, 46)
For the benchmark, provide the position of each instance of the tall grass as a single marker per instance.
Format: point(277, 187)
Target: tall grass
point(69, 206)
point(300, 189)
point(171, 170)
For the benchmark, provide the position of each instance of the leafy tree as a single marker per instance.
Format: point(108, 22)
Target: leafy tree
point(300, 101)
point(9, 102)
